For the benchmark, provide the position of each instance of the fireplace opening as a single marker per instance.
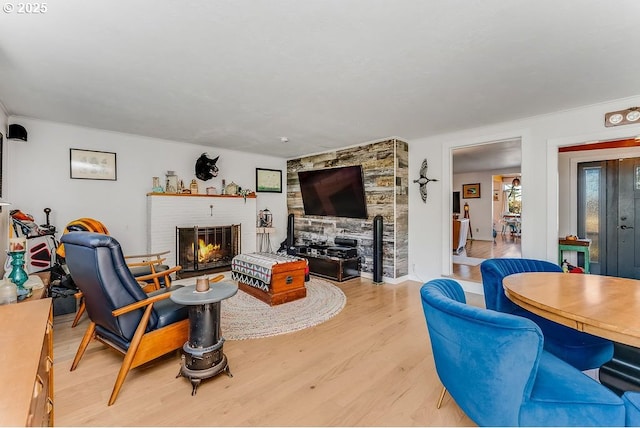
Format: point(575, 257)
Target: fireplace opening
point(201, 249)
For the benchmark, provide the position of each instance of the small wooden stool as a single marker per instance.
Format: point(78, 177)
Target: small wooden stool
point(578, 245)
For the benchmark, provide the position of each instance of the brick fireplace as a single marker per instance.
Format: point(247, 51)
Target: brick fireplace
point(201, 249)
point(167, 212)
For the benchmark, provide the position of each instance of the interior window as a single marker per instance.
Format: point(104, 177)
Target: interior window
point(512, 198)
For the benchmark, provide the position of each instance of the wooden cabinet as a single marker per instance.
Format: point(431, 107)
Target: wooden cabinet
point(26, 369)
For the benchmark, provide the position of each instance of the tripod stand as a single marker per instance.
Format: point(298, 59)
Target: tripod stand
point(466, 215)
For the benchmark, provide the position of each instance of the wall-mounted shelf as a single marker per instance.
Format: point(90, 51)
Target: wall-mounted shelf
point(251, 195)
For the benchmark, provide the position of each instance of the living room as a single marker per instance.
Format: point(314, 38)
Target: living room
point(36, 175)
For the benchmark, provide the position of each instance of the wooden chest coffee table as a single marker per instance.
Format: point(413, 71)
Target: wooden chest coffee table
point(272, 278)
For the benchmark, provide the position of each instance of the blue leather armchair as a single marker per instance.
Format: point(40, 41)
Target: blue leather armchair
point(494, 366)
point(581, 350)
point(122, 316)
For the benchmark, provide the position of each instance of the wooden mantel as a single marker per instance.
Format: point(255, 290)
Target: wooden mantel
point(199, 195)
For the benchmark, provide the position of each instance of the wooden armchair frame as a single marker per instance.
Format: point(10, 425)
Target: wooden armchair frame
point(144, 347)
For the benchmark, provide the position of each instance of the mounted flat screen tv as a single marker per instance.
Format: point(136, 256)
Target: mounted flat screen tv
point(335, 192)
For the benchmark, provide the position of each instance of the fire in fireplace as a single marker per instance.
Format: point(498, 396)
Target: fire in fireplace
point(207, 248)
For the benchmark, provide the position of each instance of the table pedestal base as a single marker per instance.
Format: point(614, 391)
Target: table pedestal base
point(622, 373)
point(196, 376)
point(202, 355)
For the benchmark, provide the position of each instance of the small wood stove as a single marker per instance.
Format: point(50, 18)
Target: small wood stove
point(202, 355)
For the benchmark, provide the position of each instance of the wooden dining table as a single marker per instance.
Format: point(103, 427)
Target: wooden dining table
point(604, 306)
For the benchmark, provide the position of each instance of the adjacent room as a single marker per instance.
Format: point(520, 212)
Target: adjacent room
point(319, 213)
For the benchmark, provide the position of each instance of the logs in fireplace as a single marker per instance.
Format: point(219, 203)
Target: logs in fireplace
point(201, 249)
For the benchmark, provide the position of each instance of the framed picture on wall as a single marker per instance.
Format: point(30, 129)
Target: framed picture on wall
point(471, 190)
point(268, 180)
point(92, 165)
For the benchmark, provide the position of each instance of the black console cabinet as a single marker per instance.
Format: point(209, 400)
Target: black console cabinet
point(335, 268)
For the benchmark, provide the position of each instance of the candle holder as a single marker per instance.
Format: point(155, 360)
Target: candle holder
point(18, 275)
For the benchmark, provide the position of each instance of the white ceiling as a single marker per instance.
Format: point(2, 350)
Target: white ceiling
point(241, 74)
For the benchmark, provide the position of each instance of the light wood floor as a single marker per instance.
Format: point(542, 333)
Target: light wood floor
point(504, 246)
point(371, 365)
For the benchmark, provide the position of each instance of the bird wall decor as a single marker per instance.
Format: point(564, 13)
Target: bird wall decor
point(423, 180)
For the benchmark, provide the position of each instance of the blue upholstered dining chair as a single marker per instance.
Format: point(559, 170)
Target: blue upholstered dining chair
point(495, 368)
point(632, 405)
point(581, 350)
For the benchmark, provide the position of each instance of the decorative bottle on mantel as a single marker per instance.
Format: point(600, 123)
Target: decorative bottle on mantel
point(194, 187)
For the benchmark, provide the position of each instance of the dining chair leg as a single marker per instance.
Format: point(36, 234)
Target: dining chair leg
point(444, 391)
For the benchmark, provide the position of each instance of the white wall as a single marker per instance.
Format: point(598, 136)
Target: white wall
point(480, 209)
point(429, 253)
point(38, 176)
point(4, 215)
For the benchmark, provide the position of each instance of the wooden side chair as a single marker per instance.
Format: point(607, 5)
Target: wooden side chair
point(122, 316)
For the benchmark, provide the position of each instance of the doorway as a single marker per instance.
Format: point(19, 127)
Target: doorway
point(608, 200)
point(478, 165)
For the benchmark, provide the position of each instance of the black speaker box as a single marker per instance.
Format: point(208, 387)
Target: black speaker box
point(290, 231)
point(377, 249)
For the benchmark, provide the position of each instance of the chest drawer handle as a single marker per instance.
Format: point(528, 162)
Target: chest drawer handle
point(37, 388)
point(49, 364)
point(49, 405)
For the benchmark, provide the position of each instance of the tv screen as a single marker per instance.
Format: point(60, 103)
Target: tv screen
point(456, 202)
point(336, 192)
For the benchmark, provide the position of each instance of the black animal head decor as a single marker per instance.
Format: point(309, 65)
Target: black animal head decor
point(206, 168)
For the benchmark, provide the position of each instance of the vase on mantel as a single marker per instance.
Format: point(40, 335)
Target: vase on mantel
point(172, 182)
point(157, 188)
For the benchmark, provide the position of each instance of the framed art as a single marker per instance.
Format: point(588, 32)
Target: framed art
point(92, 165)
point(471, 190)
point(268, 180)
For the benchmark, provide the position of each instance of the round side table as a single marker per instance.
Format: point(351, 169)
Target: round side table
point(202, 355)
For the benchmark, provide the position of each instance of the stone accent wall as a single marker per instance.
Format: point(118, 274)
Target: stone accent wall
point(385, 172)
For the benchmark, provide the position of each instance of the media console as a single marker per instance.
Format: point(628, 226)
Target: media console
point(336, 268)
point(338, 262)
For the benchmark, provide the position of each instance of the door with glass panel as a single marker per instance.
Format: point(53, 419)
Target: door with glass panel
point(608, 199)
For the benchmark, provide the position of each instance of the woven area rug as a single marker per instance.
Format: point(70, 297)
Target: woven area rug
point(245, 317)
